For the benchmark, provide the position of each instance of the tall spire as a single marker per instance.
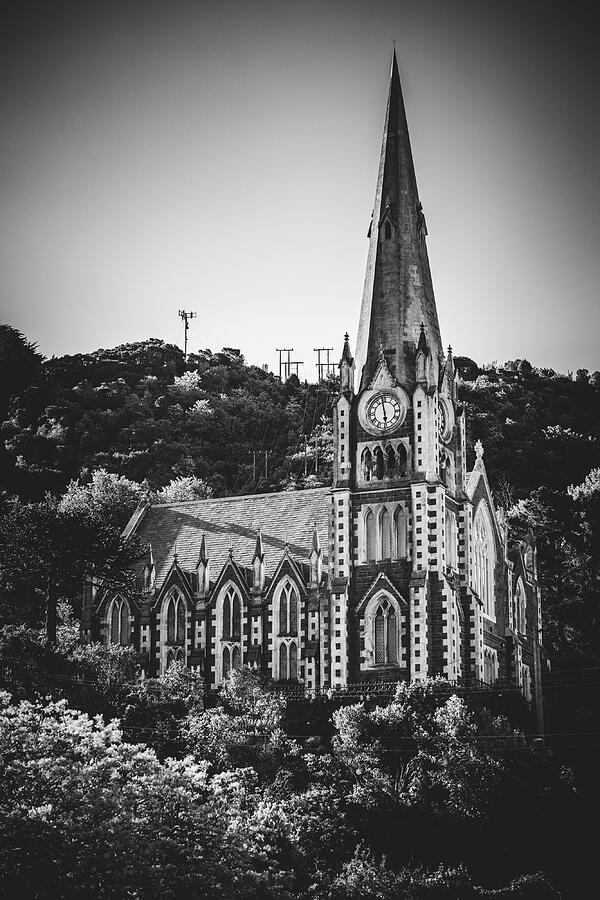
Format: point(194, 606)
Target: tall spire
point(398, 292)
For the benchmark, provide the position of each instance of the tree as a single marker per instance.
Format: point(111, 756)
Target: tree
point(106, 497)
point(108, 819)
point(20, 365)
point(44, 552)
point(183, 489)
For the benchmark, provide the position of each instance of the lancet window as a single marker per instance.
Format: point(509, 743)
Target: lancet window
point(176, 616)
point(119, 622)
point(388, 461)
point(382, 632)
point(490, 666)
point(451, 540)
point(286, 613)
point(385, 534)
point(232, 616)
point(521, 607)
point(484, 558)
point(229, 627)
point(288, 609)
point(288, 661)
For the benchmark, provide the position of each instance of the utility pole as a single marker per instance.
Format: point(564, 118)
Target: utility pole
point(254, 466)
point(266, 463)
point(285, 366)
point(186, 316)
point(323, 366)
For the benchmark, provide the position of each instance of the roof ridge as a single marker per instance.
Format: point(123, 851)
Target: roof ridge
point(306, 491)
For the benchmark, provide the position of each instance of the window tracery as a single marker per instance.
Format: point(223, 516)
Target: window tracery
point(119, 622)
point(384, 533)
point(484, 559)
point(382, 631)
point(520, 602)
point(285, 650)
point(229, 628)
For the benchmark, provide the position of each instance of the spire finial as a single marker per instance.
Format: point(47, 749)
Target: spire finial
point(315, 539)
point(202, 555)
point(479, 451)
point(258, 548)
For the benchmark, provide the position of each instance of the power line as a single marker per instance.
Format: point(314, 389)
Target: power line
point(323, 367)
point(285, 366)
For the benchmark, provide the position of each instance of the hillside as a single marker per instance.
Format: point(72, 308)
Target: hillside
point(140, 412)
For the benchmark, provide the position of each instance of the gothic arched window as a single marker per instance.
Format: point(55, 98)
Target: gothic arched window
point(379, 463)
point(386, 535)
point(226, 662)
point(400, 519)
point(366, 464)
point(451, 540)
point(521, 607)
point(283, 660)
point(388, 231)
point(236, 659)
point(232, 615)
point(382, 632)
point(484, 559)
point(288, 609)
point(402, 460)
point(288, 661)
point(370, 536)
point(176, 619)
point(391, 461)
point(120, 624)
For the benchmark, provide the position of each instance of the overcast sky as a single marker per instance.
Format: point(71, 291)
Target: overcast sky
point(222, 158)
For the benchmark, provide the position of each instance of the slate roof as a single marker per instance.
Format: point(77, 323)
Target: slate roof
point(234, 522)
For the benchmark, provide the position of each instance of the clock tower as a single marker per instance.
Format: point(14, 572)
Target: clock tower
point(398, 515)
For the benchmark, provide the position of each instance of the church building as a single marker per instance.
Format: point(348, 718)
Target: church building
point(401, 570)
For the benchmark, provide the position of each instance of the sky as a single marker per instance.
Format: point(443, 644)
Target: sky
point(222, 157)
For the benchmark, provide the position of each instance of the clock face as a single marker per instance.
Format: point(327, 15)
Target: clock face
point(384, 412)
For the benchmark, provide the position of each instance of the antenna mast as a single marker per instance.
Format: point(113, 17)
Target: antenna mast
point(186, 316)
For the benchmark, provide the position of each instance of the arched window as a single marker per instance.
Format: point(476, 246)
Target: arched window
point(293, 662)
point(366, 464)
point(400, 519)
point(288, 609)
point(484, 559)
point(120, 623)
point(283, 658)
point(402, 461)
point(379, 463)
point(176, 619)
point(451, 540)
point(386, 535)
point(447, 472)
point(388, 230)
point(370, 536)
point(391, 461)
point(236, 658)
point(490, 673)
point(382, 632)
point(226, 662)
point(232, 615)
point(521, 607)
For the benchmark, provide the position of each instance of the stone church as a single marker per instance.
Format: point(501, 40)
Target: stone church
point(403, 569)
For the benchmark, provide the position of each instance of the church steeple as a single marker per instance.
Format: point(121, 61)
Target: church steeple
point(398, 293)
